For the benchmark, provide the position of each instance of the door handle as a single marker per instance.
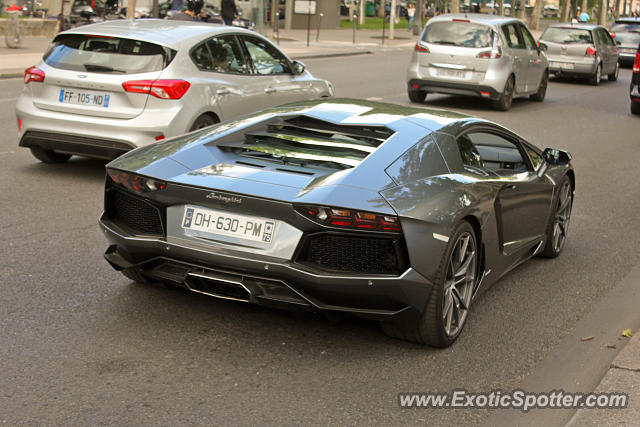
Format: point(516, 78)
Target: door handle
point(511, 187)
point(223, 91)
point(270, 90)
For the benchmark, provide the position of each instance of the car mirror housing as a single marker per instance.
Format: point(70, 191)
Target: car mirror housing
point(298, 67)
point(553, 156)
point(542, 46)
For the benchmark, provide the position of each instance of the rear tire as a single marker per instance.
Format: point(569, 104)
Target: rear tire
point(542, 88)
point(597, 76)
point(635, 107)
point(49, 156)
point(451, 296)
point(504, 102)
point(202, 122)
point(417, 95)
point(613, 77)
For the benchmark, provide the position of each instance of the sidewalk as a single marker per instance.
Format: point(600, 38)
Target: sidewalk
point(332, 43)
point(623, 376)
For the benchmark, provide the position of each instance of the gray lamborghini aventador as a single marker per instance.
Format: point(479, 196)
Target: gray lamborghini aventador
point(391, 213)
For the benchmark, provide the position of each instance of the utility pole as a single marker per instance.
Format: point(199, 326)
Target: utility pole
point(361, 13)
point(392, 19)
point(260, 23)
point(131, 9)
point(417, 20)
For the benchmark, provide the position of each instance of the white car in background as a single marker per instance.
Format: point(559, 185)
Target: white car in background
point(104, 89)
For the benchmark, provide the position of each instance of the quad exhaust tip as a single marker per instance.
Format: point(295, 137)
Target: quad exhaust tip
point(218, 286)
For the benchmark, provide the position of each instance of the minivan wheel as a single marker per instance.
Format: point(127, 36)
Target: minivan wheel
point(542, 89)
point(417, 95)
point(597, 76)
point(613, 77)
point(48, 156)
point(504, 102)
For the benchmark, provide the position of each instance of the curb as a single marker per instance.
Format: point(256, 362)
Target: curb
point(11, 74)
point(331, 55)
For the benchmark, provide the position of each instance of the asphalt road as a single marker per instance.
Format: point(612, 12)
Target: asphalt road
point(80, 344)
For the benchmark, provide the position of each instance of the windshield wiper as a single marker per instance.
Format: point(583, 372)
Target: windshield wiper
point(446, 42)
point(96, 67)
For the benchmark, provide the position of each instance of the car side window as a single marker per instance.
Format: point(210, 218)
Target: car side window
point(606, 37)
point(201, 57)
point(529, 41)
point(469, 153)
point(227, 55)
point(513, 38)
point(495, 153)
point(265, 57)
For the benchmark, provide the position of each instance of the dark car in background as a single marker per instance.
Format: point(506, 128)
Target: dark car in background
point(635, 84)
point(626, 32)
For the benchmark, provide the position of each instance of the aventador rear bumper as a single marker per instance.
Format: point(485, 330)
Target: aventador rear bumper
point(265, 280)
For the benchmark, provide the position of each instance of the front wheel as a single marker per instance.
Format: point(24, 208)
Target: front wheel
point(558, 226)
point(635, 107)
point(504, 102)
point(597, 76)
point(614, 76)
point(446, 311)
point(542, 88)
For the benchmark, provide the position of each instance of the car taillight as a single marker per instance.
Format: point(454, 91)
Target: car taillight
point(591, 51)
point(136, 183)
point(636, 63)
point(419, 48)
point(163, 89)
point(19, 124)
point(490, 54)
point(345, 218)
point(33, 74)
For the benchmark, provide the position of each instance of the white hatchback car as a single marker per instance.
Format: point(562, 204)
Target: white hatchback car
point(104, 89)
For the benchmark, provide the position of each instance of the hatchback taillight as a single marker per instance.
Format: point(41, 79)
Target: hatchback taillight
point(346, 218)
point(163, 89)
point(420, 48)
point(636, 63)
point(490, 54)
point(33, 74)
point(591, 51)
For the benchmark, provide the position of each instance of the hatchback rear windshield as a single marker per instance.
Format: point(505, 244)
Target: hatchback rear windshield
point(458, 33)
point(109, 55)
point(567, 35)
point(629, 38)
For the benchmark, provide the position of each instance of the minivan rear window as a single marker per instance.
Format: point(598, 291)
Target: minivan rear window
point(108, 55)
point(458, 33)
point(567, 35)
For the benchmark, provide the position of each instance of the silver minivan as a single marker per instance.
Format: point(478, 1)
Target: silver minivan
point(494, 57)
point(581, 50)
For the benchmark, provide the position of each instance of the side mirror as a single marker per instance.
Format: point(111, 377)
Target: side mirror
point(618, 43)
point(543, 46)
point(298, 67)
point(556, 157)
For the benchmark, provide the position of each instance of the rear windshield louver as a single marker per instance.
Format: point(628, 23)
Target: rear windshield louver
point(377, 133)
